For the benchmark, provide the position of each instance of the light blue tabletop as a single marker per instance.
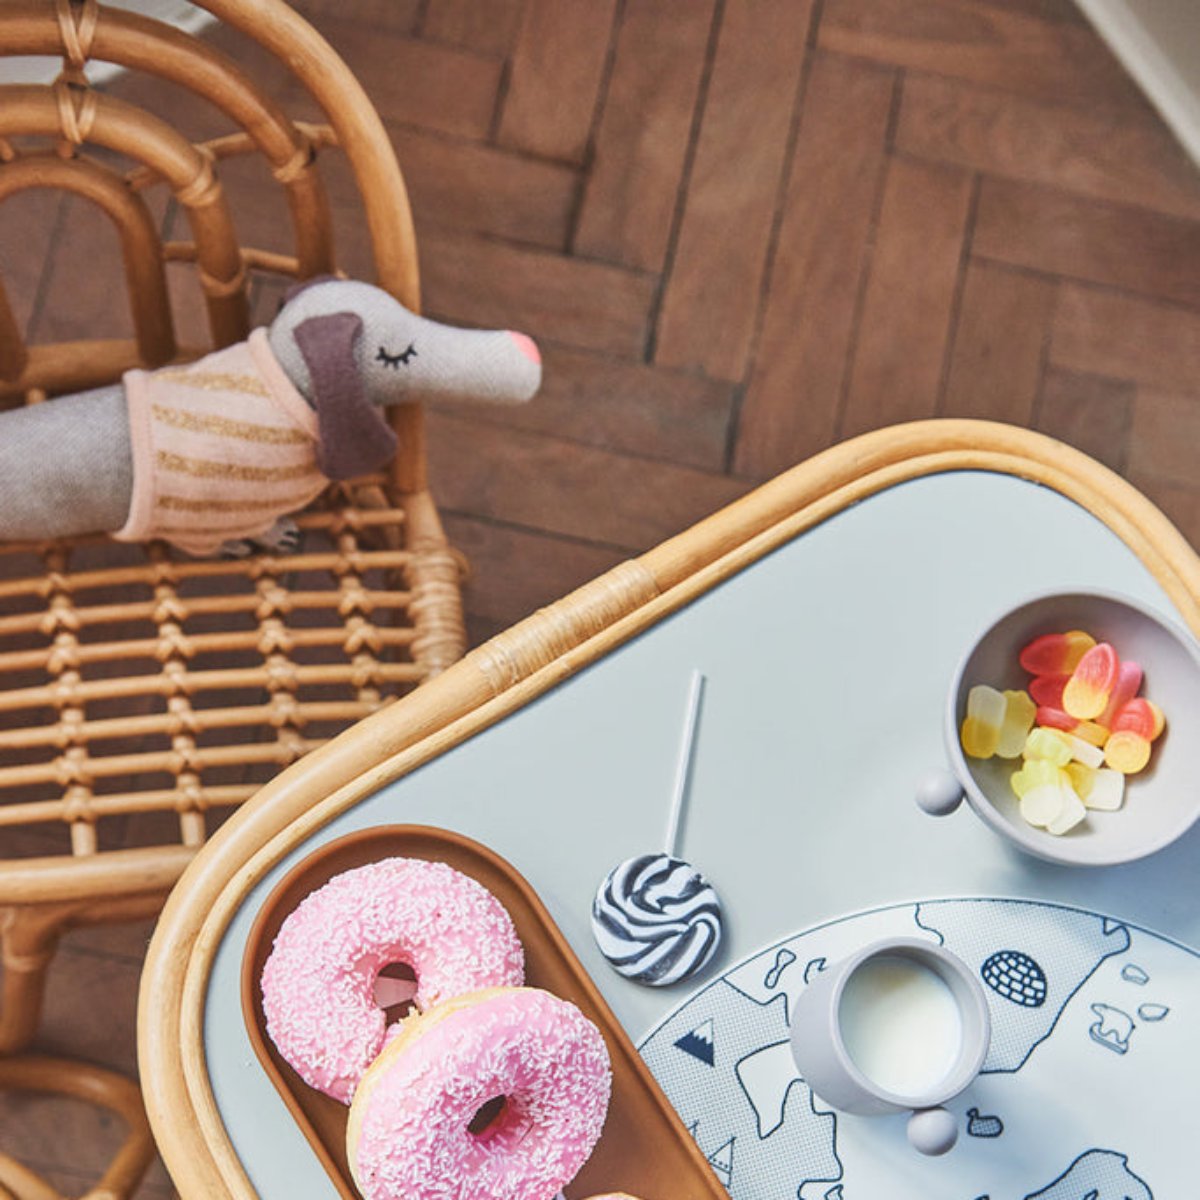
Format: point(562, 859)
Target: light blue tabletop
point(827, 664)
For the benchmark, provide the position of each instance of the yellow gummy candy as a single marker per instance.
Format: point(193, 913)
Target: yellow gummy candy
point(1077, 643)
point(1036, 772)
point(1160, 719)
point(1048, 744)
point(1092, 732)
point(1019, 712)
point(1083, 779)
point(1048, 797)
point(985, 714)
point(1042, 805)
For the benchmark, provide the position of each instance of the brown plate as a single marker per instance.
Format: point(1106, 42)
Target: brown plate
point(645, 1149)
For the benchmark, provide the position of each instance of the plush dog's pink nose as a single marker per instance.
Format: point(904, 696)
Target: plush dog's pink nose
point(526, 345)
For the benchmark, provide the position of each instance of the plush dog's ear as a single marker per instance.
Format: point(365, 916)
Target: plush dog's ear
point(354, 437)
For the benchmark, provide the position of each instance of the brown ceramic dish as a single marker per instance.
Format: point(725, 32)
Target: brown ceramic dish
point(645, 1149)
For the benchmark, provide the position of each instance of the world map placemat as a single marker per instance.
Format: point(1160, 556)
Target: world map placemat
point(1089, 1092)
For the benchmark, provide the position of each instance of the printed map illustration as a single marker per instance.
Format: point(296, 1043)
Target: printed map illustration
point(1089, 1092)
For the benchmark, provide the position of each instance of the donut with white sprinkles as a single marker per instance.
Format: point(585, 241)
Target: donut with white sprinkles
point(318, 983)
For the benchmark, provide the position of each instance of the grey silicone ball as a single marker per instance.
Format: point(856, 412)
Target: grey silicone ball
point(939, 793)
point(932, 1131)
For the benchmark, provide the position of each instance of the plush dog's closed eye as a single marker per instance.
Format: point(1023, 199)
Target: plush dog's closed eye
point(394, 360)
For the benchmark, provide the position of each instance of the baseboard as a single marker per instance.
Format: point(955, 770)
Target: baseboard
point(1167, 71)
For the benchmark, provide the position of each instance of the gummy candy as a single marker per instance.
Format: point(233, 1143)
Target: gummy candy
point(1069, 815)
point(1035, 772)
point(1140, 717)
point(1091, 683)
point(1160, 719)
point(1127, 752)
point(1089, 731)
point(1019, 712)
point(1083, 751)
point(1102, 789)
point(1081, 729)
point(1047, 799)
point(1108, 791)
point(1047, 690)
point(1082, 778)
point(1056, 653)
point(985, 715)
point(1129, 680)
point(1042, 804)
point(1048, 744)
point(1136, 724)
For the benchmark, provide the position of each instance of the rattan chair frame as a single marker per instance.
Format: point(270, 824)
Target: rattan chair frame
point(387, 584)
point(104, 1089)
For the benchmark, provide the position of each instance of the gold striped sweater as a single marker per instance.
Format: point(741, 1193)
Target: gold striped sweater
point(221, 448)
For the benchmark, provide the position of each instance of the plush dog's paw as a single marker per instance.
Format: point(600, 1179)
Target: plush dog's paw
point(282, 538)
point(236, 548)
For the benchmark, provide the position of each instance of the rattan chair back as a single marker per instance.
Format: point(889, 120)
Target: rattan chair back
point(143, 693)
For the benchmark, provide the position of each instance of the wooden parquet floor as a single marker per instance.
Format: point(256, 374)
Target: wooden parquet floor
point(741, 230)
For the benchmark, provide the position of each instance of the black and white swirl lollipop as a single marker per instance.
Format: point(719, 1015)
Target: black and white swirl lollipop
point(656, 919)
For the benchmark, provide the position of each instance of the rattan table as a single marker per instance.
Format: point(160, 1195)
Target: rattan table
point(827, 610)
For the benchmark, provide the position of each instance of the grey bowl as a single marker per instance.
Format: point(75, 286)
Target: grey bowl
point(1163, 801)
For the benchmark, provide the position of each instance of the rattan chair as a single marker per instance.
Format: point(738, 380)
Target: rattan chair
point(142, 693)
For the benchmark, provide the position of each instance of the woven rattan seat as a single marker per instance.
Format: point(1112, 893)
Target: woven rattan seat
point(143, 693)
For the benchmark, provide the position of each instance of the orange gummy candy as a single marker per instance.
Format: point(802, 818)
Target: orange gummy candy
point(1137, 723)
point(1056, 653)
point(1091, 683)
point(1140, 717)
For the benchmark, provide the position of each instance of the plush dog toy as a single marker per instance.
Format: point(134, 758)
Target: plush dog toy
point(213, 454)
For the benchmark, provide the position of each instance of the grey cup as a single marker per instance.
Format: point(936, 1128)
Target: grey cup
point(822, 1057)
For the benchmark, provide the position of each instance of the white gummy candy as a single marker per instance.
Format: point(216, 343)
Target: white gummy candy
point(1071, 813)
point(1041, 805)
point(1085, 752)
point(1108, 790)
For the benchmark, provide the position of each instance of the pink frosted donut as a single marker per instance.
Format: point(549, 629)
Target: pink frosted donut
point(318, 984)
point(409, 1135)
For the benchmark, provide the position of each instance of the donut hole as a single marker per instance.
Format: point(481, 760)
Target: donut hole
point(489, 1118)
point(395, 991)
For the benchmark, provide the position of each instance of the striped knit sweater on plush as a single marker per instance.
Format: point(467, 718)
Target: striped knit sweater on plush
point(221, 448)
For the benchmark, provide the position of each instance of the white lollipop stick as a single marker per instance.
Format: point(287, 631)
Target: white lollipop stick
point(655, 918)
point(684, 765)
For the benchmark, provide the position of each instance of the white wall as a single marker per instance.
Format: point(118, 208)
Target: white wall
point(1159, 43)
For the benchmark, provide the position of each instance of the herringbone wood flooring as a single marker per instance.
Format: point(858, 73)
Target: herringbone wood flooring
point(741, 230)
